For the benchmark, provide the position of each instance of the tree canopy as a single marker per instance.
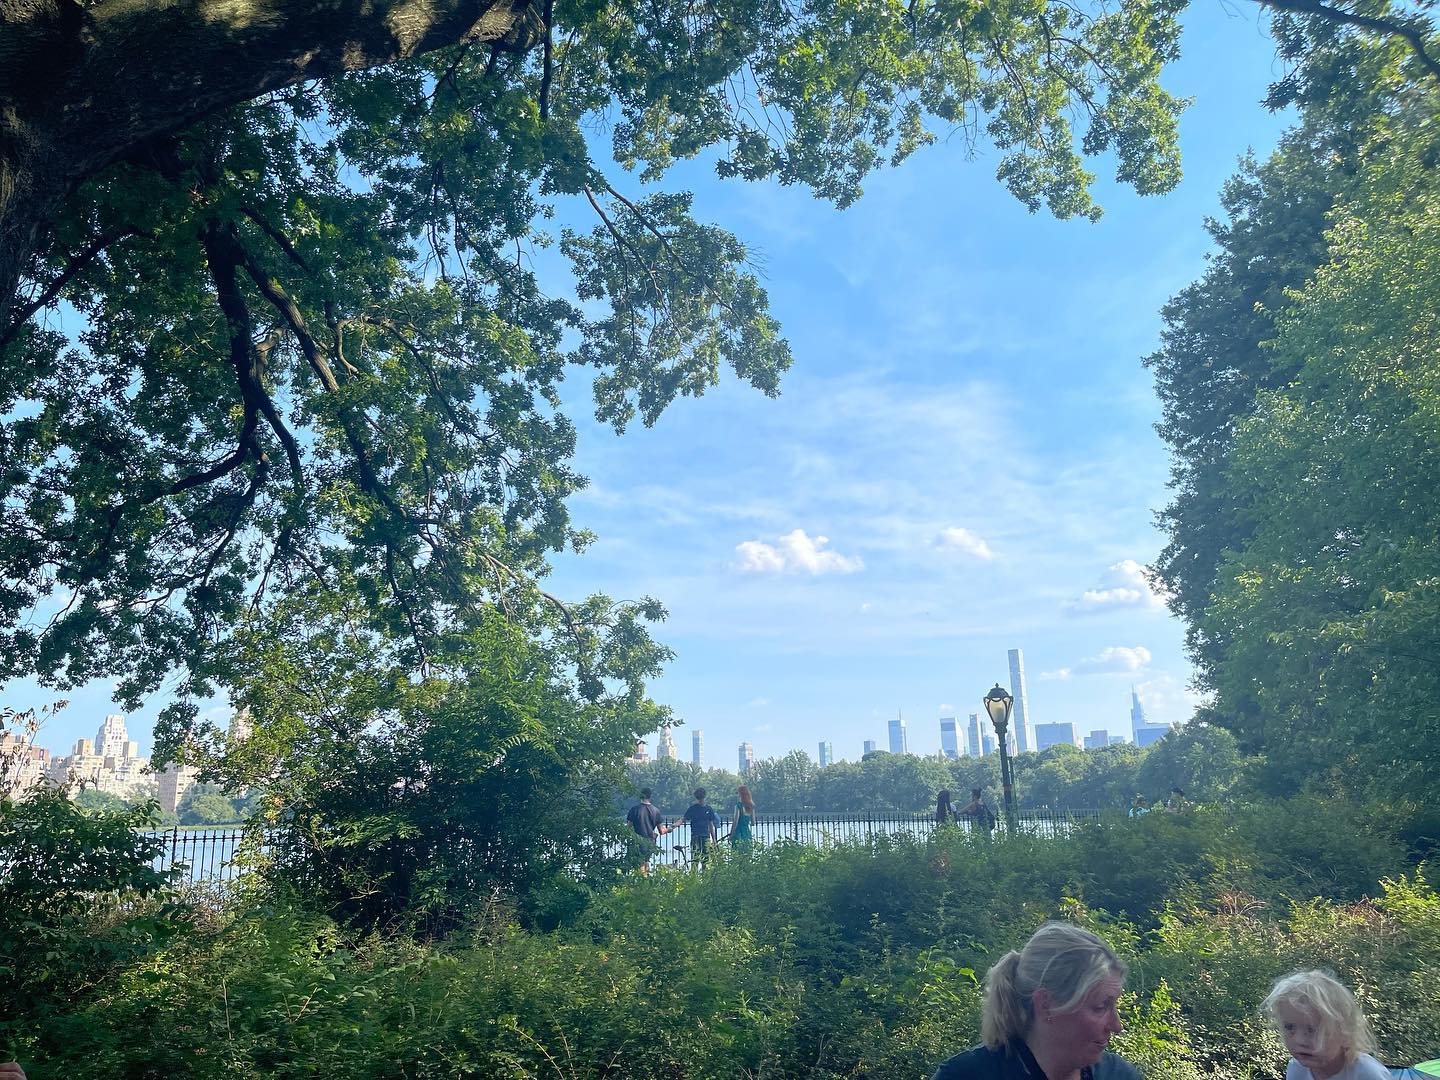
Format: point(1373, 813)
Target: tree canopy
point(280, 355)
point(1297, 378)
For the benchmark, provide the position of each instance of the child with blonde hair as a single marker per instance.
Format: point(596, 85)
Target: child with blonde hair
point(1326, 1033)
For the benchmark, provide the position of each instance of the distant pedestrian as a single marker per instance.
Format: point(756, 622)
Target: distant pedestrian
point(1176, 802)
point(703, 827)
point(1324, 1029)
point(977, 812)
point(1139, 807)
point(645, 819)
point(944, 812)
point(740, 835)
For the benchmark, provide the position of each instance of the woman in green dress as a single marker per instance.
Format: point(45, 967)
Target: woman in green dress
point(740, 835)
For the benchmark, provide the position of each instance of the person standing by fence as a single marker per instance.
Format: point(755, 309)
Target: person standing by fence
point(645, 819)
point(944, 812)
point(740, 836)
point(704, 827)
point(977, 813)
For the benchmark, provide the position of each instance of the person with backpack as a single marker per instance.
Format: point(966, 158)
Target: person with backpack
point(977, 812)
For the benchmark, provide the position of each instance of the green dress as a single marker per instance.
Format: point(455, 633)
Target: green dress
point(740, 835)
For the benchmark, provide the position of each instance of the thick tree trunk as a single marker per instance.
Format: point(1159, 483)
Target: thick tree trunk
point(84, 81)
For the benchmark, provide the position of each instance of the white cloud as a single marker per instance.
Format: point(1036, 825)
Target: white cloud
point(794, 553)
point(963, 542)
point(1114, 659)
point(1124, 586)
point(946, 709)
point(764, 729)
point(757, 703)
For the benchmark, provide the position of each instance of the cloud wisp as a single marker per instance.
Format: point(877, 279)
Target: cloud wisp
point(959, 541)
point(794, 553)
point(1112, 660)
point(1125, 586)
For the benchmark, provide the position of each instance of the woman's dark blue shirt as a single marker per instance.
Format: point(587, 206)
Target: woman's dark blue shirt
point(1017, 1063)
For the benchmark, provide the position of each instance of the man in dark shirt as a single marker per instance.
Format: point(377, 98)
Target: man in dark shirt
point(703, 827)
point(645, 820)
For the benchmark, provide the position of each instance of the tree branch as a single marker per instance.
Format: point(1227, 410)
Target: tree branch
point(1410, 34)
point(77, 263)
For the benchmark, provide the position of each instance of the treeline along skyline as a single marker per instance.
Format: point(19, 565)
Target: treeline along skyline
point(1203, 760)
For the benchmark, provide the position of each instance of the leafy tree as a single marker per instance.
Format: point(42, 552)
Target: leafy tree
point(1249, 361)
point(404, 801)
point(56, 858)
point(787, 782)
point(209, 810)
point(342, 374)
point(1330, 610)
point(1202, 760)
point(1066, 777)
point(101, 801)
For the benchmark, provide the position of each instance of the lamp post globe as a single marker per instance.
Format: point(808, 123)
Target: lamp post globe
point(998, 704)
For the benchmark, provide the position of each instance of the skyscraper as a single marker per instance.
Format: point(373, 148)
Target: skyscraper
point(1097, 740)
point(697, 748)
point(827, 753)
point(871, 746)
point(112, 740)
point(949, 738)
point(1137, 713)
point(747, 758)
point(1143, 732)
point(1020, 717)
point(973, 736)
point(1048, 735)
point(898, 743)
point(665, 746)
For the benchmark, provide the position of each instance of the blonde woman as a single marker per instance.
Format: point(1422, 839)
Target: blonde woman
point(1326, 1033)
point(1049, 1012)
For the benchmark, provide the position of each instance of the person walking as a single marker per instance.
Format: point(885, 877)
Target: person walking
point(740, 836)
point(704, 826)
point(1049, 1011)
point(1139, 807)
point(644, 818)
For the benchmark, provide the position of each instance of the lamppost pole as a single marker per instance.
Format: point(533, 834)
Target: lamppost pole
point(998, 703)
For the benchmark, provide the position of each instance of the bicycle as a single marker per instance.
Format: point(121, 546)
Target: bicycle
point(679, 858)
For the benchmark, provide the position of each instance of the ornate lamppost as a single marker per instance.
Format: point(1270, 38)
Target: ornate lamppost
point(998, 703)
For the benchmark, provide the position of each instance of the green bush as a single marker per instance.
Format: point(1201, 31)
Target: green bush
point(79, 902)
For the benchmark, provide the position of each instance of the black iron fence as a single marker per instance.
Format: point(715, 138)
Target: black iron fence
point(820, 830)
point(207, 855)
point(202, 855)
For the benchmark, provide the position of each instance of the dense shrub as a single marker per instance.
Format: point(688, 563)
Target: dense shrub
point(861, 961)
point(79, 901)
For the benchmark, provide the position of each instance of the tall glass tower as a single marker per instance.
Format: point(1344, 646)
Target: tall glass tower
point(898, 742)
point(1020, 717)
point(949, 738)
point(697, 748)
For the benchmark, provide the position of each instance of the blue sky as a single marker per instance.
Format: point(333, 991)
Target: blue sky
point(962, 460)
